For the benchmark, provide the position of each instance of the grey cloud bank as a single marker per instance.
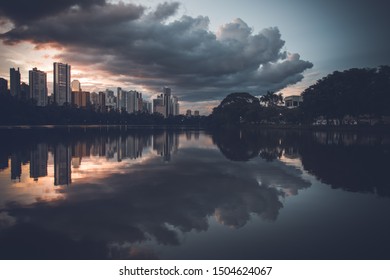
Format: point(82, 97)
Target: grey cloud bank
point(143, 47)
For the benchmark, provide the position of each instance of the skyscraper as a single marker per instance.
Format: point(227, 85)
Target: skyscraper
point(61, 83)
point(14, 76)
point(167, 101)
point(3, 86)
point(166, 104)
point(175, 106)
point(24, 91)
point(76, 86)
point(38, 86)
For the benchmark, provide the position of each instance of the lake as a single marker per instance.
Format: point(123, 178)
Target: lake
point(122, 193)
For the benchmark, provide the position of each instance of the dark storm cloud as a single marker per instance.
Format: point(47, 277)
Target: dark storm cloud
point(144, 49)
point(25, 11)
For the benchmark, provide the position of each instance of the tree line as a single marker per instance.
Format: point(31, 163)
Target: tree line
point(354, 94)
point(24, 112)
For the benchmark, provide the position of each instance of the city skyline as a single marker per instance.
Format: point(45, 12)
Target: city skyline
point(201, 51)
point(70, 92)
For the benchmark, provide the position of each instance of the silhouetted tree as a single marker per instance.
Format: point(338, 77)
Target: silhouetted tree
point(272, 99)
point(354, 92)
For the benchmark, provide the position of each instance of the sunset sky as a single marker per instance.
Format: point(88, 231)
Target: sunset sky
point(202, 49)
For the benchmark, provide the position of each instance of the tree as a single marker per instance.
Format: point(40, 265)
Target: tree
point(353, 92)
point(236, 108)
point(272, 99)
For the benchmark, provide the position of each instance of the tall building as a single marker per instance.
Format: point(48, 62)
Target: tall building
point(101, 102)
point(111, 100)
point(75, 85)
point(147, 107)
point(24, 91)
point(121, 100)
point(94, 99)
point(166, 104)
point(158, 105)
point(61, 83)
point(81, 99)
point(3, 86)
point(14, 76)
point(38, 86)
point(175, 106)
point(134, 102)
point(167, 101)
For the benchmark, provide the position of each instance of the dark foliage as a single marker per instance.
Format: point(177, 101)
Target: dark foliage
point(17, 112)
point(354, 92)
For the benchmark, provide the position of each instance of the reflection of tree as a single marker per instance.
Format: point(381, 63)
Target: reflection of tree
point(352, 162)
point(236, 145)
point(242, 145)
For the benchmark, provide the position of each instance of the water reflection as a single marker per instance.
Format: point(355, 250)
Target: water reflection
point(100, 194)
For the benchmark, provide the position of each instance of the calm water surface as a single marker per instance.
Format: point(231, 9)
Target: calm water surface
point(155, 194)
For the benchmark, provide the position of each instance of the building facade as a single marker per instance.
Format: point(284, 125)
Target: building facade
point(14, 76)
point(3, 86)
point(38, 86)
point(293, 101)
point(166, 104)
point(61, 83)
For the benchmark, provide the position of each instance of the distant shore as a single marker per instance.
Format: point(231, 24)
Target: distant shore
point(368, 128)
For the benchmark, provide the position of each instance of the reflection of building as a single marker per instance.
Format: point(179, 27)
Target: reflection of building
point(79, 150)
point(165, 144)
point(293, 101)
point(62, 165)
point(16, 166)
point(3, 161)
point(129, 147)
point(38, 161)
point(38, 86)
point(61, 83)
point(98, 147)
point(111, 148)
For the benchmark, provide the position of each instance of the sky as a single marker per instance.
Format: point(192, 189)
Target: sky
point(203, 50)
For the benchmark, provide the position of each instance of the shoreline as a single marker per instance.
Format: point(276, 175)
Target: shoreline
point(376, 128)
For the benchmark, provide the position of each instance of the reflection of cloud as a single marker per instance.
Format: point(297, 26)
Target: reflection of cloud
point(157, 201)
point(6, 220)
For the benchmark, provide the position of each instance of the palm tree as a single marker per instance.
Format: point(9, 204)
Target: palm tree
point(272, 99)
